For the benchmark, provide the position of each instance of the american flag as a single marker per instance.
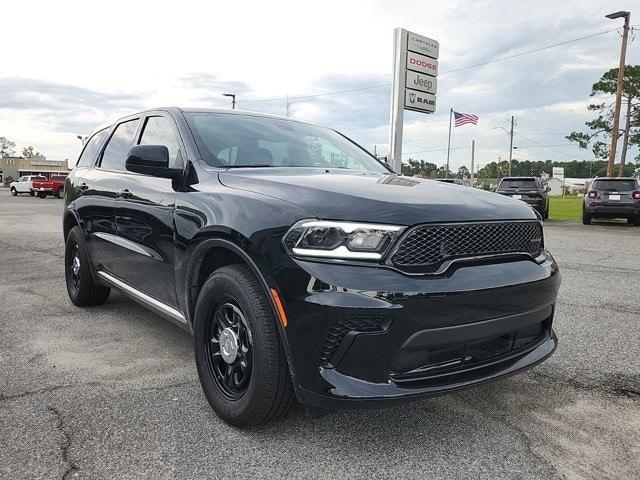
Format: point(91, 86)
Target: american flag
point(463, 118)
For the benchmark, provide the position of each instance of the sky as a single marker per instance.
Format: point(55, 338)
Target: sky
point(67, 67)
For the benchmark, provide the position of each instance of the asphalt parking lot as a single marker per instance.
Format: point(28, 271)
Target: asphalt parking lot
point(112, 391)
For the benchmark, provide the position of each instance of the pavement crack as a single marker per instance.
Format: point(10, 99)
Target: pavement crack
point(65, 445)
point(34, 392)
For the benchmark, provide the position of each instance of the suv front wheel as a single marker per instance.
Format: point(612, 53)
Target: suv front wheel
point(241, 362)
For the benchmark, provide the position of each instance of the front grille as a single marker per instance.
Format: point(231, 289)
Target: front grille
point(426, 247)
point(347, 324)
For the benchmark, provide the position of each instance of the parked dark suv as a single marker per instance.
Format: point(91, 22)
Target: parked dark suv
point(530, 190)
point(304, 268)
point(612, 198)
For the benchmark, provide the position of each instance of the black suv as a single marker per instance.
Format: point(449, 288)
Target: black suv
point(612, 198)
point(530, 190)
point(304, 267)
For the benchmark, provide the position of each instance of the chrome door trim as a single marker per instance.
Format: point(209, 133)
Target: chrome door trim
point(129, 245)
point(142, 297)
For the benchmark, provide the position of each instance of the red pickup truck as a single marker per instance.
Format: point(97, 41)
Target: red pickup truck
point(53, 186)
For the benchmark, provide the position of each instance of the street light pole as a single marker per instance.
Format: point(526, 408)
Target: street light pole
point(233, 99)
point(511, 145)
point(616, 113)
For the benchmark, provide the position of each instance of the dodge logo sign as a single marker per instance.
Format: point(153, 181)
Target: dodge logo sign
point(422, 64)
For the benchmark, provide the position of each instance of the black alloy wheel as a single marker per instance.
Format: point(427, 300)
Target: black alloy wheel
point(230, 356)
point(241, 362)
point(82, 289)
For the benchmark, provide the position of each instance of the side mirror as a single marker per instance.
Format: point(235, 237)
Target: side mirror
point(548, 189)
point(152, 160)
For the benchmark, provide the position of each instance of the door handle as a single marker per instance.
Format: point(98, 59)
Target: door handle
point(125, 193)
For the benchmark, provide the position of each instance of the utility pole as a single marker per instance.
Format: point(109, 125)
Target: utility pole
point(511, 145)
point(473, 151)
point(616, 113)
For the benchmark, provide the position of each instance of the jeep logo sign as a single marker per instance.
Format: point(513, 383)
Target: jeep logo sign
point(418, 81)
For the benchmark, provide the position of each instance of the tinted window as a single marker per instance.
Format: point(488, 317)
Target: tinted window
point(91, 149)
point(245, 141)
point(518, 183)
point(614, 185)
point(119, 144)
point(158, 131)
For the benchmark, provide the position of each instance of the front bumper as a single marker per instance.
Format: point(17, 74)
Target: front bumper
point(352, 344)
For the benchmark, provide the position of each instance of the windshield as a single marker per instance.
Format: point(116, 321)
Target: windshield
point(235, 141)
point(614, 185)
point(518, 183)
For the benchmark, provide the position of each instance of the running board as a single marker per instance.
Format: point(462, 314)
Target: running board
point(143, 298)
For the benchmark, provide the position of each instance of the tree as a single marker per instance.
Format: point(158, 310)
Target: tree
point(7, 147)
point(28, 152)
point(601, 127)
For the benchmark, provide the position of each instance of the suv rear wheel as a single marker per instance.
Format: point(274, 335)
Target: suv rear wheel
point(83, 291)
point(586, 218)
point(241, 363)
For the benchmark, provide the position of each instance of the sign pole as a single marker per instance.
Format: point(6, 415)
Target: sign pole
point(446, 174)
point(397, 99)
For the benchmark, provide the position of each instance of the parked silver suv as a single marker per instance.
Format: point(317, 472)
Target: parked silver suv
point(612, 198)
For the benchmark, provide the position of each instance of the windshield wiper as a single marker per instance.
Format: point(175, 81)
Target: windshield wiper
point(249, 166)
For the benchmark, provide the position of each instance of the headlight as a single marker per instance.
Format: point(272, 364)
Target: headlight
point(341, 240)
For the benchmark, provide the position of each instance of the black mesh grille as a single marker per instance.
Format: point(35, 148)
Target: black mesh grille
point(426, 247)
point(360, 324)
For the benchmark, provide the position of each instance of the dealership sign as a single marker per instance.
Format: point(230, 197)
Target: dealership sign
point(415, 68)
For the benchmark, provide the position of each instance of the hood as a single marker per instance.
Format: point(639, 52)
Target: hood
point(382, 198)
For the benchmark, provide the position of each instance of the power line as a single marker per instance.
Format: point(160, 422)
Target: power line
point(434, 150)
point(458, 69)
point(545, 146)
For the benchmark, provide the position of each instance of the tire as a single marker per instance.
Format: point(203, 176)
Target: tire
point(586, 218)
point(14, 192)
point(545, 216)
point(32, 193)
point(59, 193)
point(81, 288)
point(42, 195)
point(265, 392)
point(636, 221)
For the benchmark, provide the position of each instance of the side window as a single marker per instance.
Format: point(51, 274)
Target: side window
point(91, 149)
point(158, 131)
point(116, 150)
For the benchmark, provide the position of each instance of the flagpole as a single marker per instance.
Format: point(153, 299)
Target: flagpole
point(446, 174)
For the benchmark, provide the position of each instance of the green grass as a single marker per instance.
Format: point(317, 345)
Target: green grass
point(565, 208)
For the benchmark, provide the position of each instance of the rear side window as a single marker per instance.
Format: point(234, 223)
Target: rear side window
point(119, 144)
point(158, 131)
point(91, 149)
point(614, 185)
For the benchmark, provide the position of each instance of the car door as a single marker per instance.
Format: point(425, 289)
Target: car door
point(22, 185)
point(144, 218)
point(99, 187)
